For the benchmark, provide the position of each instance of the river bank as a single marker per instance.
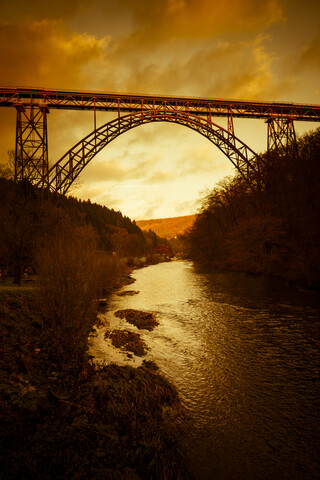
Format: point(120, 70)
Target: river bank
point(107, 421)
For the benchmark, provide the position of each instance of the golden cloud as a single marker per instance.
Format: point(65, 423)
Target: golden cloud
point(155, 19)
point(187, 58)
point(199, 18)
point(230, 69)
point(45, 53)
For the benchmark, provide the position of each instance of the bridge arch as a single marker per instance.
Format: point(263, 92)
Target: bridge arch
point(63, 173)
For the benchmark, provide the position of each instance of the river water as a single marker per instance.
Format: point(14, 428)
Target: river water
point(244, 353)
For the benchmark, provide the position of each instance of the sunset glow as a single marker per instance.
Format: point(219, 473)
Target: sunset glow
point(236, 50)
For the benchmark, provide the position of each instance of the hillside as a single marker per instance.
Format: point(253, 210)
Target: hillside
point(26, 218)
point(270, 228)
point(167, 227)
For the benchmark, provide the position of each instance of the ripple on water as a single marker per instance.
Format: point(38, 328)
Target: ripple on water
point(243, 352)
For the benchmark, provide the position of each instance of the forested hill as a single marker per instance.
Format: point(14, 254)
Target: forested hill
point(107, 222)
point(93, 213)
point(270, 226)
point(26, 218)
point(167, 227)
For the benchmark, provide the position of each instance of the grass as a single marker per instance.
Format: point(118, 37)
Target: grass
point(142, 320)
point(105, 423)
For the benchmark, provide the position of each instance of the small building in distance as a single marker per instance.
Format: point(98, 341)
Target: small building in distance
point(163, 249)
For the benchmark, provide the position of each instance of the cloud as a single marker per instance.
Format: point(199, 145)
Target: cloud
point(45, 53)
point(166, 19)
point(311, 54)
point(230, 68)
point(99, 193)
point(204, 158)
point(155, 20)
point(180, 208)
point(185, 47)
point(159, 177)
point(149, 209)
point(105, 172)
point(172, 47)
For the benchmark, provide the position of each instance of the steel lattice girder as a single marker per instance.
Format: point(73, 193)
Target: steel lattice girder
point(82, 100)
point(31, 154)
point(34, 99)
point(66, 170)
point(281, 133)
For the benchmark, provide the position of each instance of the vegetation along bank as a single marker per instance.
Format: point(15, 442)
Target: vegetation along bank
point(62, 417)
point(269, 223)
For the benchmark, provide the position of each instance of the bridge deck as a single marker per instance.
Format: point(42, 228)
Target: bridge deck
point(83, 100)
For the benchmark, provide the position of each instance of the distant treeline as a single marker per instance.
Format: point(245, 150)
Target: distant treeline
point(269, 225)
point(26, 216)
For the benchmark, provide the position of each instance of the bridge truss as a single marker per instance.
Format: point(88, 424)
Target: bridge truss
point(32, 106)
point(64, 172)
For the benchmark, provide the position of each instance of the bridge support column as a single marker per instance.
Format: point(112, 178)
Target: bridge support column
point(281, 134)
point(230, 123)
point(31, 154)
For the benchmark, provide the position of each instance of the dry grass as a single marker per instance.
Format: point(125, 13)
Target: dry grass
point(142, 320)
point(61, 417)
point(72, 274)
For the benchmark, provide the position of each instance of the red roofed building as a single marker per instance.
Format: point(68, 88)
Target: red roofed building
point(163, 249)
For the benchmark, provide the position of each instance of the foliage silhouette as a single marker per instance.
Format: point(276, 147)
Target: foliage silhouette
point(272, 229)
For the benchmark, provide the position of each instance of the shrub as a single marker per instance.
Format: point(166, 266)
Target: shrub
point(72, 274)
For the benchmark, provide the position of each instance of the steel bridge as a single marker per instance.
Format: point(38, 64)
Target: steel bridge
point(200, 114)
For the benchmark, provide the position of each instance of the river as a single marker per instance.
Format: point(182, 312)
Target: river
point(244, 353)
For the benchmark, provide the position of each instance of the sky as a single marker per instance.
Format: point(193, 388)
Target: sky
point(235, 49)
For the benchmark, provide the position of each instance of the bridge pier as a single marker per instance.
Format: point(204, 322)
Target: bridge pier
point(281, 134)
point(31, 152)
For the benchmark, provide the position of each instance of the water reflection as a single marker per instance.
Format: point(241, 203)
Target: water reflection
point(244, 354)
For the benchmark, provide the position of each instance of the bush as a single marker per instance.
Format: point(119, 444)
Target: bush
point(72, 274)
